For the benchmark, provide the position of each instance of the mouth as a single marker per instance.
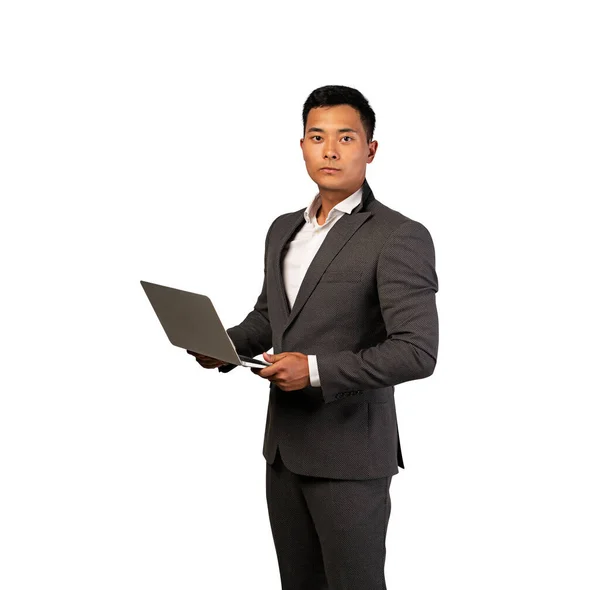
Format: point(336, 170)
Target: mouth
point(329, 169)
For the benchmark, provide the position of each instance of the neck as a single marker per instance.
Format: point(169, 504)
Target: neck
point(330, 198)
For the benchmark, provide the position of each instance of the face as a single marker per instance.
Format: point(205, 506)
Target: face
point(335, 138)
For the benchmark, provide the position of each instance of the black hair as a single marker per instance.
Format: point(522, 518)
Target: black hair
point(326, 96)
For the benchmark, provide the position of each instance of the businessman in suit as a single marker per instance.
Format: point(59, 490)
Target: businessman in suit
point(348, 306)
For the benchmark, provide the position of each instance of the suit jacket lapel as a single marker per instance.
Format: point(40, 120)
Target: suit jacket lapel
point(338, 235)
point(294, 223)
point(336, 238)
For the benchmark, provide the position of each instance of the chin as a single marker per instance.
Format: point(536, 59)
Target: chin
point(325, 180)
point(327, 185)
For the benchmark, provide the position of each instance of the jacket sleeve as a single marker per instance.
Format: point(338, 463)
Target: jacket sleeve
point(406, 285)
point(254, 335)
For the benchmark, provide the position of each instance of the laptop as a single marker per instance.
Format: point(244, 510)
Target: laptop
point(191, 322)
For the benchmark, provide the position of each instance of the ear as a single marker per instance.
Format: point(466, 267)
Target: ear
point(372, 149)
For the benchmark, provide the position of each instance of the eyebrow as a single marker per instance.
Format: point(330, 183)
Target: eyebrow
point(345, 130)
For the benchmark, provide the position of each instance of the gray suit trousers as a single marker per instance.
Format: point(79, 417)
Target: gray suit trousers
point(329, 534)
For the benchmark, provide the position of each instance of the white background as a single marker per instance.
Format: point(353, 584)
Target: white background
point(157, 141)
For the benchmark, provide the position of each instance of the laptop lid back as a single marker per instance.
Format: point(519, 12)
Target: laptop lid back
point(191, 321)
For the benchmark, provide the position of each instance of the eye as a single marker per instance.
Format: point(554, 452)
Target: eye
point(347, 136)
point(316, 136)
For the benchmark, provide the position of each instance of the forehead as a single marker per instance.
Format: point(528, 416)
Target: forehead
point(336, 117)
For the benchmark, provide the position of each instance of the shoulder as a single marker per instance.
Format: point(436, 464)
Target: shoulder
point(284, 217)
point(283, 221)
point(388, 222)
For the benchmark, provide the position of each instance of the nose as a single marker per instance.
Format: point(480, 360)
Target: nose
point(330, 149)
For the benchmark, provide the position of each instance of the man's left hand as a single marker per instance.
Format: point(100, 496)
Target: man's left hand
point(289, 370)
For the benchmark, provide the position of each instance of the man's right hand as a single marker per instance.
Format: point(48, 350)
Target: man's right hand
point(208, 362)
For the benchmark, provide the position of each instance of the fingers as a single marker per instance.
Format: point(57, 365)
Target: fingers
point(210, 364)
point(198, 355)
point(207, 362)
point(266, 374)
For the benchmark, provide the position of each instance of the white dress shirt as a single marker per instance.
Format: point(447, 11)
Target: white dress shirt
point(302, 249)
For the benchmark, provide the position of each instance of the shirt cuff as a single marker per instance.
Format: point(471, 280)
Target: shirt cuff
point(313, 370)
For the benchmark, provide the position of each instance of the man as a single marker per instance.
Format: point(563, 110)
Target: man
point(348, 305)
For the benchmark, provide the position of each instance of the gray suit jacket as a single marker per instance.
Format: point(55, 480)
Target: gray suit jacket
point(366, 308)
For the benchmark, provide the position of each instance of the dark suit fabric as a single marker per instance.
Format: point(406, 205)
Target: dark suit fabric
point(328, 533)
point(366, 308)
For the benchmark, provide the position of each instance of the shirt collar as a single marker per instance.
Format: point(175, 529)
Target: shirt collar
point(345, 206)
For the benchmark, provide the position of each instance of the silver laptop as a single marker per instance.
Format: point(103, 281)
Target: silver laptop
point(191, 322)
